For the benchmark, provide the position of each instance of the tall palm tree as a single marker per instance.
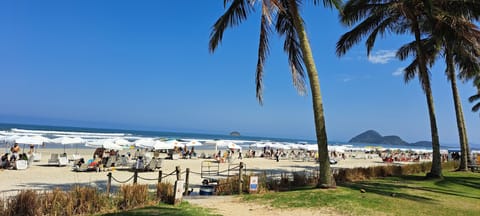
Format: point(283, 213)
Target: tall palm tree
point(409, 16)
point(458, 53)
point(285, 16)
point(459, 39)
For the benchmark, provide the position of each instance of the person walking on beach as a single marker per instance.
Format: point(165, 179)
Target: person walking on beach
point(240, 154)
point(277, 155)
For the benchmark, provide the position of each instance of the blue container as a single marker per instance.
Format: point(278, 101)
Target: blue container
point(206, 190)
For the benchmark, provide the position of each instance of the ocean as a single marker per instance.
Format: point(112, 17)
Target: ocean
point(95, 133)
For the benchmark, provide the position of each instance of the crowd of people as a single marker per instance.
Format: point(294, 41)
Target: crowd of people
point(9, 158)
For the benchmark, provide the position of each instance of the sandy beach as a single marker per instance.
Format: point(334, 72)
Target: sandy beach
point(40, 176)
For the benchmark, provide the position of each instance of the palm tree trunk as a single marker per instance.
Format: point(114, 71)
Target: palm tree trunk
point(458, 113)
point(436, 170)
point(326, 180)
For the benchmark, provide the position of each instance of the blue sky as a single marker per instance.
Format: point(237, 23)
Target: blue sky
point(146, 65)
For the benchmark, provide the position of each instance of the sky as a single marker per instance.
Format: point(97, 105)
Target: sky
point(145, 65)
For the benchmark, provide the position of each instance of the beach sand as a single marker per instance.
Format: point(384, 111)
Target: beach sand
point(40, 176)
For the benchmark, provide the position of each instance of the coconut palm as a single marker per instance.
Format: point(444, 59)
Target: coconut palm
point(460, 53)
point(285, 17)
point(378, 17)
point(459, 39)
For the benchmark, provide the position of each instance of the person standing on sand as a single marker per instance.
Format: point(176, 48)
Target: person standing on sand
point(15, 150)
point(277, 155)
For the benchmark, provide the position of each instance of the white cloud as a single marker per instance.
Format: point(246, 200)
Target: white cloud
point(398, 72)
point(382, 56)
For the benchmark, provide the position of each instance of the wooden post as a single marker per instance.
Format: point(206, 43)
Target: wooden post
point(109, 183)
point(160, 176)
point(177, 170)
point(187, 175)
point(135, 175)
point(240, 174)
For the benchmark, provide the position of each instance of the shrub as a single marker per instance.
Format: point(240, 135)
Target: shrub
point(57, 202)
point(132, 196)
point(26, 203)
point(87, 200)
point(165, 192)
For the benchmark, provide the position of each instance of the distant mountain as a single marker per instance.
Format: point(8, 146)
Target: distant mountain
point(422, 143)
point(374, 137)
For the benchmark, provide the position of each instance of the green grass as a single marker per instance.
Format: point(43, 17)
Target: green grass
point(184, 209)
point(458, 193)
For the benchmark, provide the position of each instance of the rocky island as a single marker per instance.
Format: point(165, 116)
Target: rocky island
point(373, 137)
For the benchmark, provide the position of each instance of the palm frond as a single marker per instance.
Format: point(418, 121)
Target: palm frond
point(263, 49)
point(235, 14)
point(284, 27)
point(410, 71)
point(329, 3)
point(474, 98)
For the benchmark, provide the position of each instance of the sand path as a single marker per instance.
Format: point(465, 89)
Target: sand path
point(233, 206)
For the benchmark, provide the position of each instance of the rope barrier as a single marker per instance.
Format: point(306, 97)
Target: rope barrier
point(147, 179)
point(122, 182)
point(172, 173)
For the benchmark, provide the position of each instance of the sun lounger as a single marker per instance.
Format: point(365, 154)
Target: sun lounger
point(37, 156)
point(57, 160)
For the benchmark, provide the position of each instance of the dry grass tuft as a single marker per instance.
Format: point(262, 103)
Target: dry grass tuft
point(165, 192)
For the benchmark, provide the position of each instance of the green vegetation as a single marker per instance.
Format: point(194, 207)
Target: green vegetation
point(457, 193)
point(184, 209)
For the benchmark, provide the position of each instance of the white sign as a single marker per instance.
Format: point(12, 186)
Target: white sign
point(179, 184)
point(253, 183)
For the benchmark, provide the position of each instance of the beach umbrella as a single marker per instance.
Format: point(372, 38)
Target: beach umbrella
point(104, 143)
point(160, 145)
point(175, 143)
point(193, 143)
point(67, 141)
point(232, 145)
point(309, 147)
point(122, 142)
point(32, 140)
point(258, 145)
point(145, 143)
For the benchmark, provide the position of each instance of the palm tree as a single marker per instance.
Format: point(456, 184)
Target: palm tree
point(378, 17)
point(456, 52)
point(459, 39)
point(289, 23)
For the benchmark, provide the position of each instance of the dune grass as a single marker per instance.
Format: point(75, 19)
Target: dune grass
point(184, 209)
point(458, 193)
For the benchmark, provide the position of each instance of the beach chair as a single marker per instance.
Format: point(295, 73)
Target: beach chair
point(53, 160)
point(21, 164)
point(62, 160)
point(37, 156)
